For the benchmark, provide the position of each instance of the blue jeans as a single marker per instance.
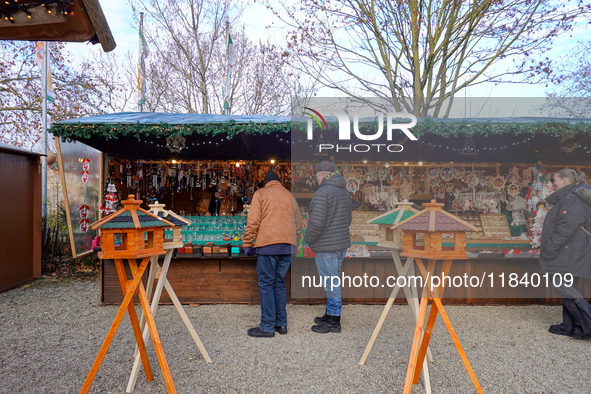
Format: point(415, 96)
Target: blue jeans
point(271, 271)
point(329, 264)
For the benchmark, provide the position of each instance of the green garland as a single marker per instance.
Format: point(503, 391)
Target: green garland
point(469, 128)
point(231, 129)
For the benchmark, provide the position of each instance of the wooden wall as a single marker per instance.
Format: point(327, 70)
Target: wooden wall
point(20, 233)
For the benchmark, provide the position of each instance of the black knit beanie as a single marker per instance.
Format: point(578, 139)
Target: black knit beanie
point(271, 176)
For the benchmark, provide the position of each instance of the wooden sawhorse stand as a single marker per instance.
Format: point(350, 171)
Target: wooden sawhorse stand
point(421, 340)
point(160, 272)
point(412, 299)
point(130, 288)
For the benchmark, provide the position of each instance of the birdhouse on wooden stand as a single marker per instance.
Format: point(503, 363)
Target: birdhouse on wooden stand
point(393, 238)
point(425, 232)
point(131, 232)
point(177, 220)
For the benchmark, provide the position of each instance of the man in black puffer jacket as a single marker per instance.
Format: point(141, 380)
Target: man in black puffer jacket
point(566, 249)
point(329, 218)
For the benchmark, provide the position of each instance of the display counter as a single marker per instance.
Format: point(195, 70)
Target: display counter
point(234, 280)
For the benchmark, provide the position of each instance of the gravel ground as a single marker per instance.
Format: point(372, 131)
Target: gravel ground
point(50, 334)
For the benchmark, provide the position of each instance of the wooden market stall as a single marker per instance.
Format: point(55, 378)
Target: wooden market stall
point(20, 237)
point(492, 173)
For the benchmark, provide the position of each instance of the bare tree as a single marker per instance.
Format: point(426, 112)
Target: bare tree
point(417, 55)
point(185, 68)
point(570, 94)
point(75, 88)
point(116, 78)
point(186, 39)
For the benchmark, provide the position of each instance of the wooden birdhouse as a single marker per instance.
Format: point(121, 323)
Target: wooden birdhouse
point(131, 232)
point(388, 237)
point(177, 220)
point(425, 232)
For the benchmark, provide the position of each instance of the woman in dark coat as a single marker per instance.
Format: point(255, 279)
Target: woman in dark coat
point(566, 248)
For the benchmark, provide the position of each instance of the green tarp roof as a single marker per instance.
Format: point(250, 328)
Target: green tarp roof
point(170, 124)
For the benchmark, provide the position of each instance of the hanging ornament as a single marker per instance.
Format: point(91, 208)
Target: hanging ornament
point(473, 180)
point(499, 182)
point(433, 172)
point(513, 190)
point(83, 224)
point(128, 168)
point(459, 172)
point(446, 174)
point(352, 184)
point(469, 147)
point(83, 210)
point(449, 187)
point(86, 163)
point(85, 169)
point(175, 144)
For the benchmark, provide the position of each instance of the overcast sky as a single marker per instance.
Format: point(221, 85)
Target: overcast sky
point(120, 19)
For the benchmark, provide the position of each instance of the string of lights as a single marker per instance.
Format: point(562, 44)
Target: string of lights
point(11, 8)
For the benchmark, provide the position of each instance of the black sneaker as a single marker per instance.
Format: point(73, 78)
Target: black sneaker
point(258, 333)
point(332, 324)
point(558, 330)
point(576, 333)
point(281, 330)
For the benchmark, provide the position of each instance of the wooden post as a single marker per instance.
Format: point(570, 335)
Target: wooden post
point(163, 283)
point(133, 286)
point(153, 331)
point(418, 351)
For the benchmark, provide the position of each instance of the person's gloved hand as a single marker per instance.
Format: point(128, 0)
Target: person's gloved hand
point(249, 251)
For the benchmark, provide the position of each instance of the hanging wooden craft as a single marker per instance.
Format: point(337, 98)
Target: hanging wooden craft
point(473, 180)
point(373, 199)
point(499, 182)
point(459, 172)
point(433, 172)
point(352, 184)
point(513, 176)
point(513, 190)
point(449, 187)
point(406, 190)
point(446, 174)
point(175, 144)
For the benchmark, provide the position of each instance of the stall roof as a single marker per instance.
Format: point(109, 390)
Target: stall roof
point(14, 149)
point(141, 135)
point(172, 124)
point(155, 118)
point(75, 21)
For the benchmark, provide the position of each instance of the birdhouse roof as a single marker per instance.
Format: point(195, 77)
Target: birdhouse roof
point(131, 216)
point(177, 220)
point(433, 218)
point(402, 212)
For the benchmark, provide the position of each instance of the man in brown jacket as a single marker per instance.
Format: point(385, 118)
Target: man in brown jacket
point(273, 207)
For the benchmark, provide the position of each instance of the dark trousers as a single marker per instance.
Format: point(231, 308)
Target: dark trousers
point(271, 271)
point(576, 311)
